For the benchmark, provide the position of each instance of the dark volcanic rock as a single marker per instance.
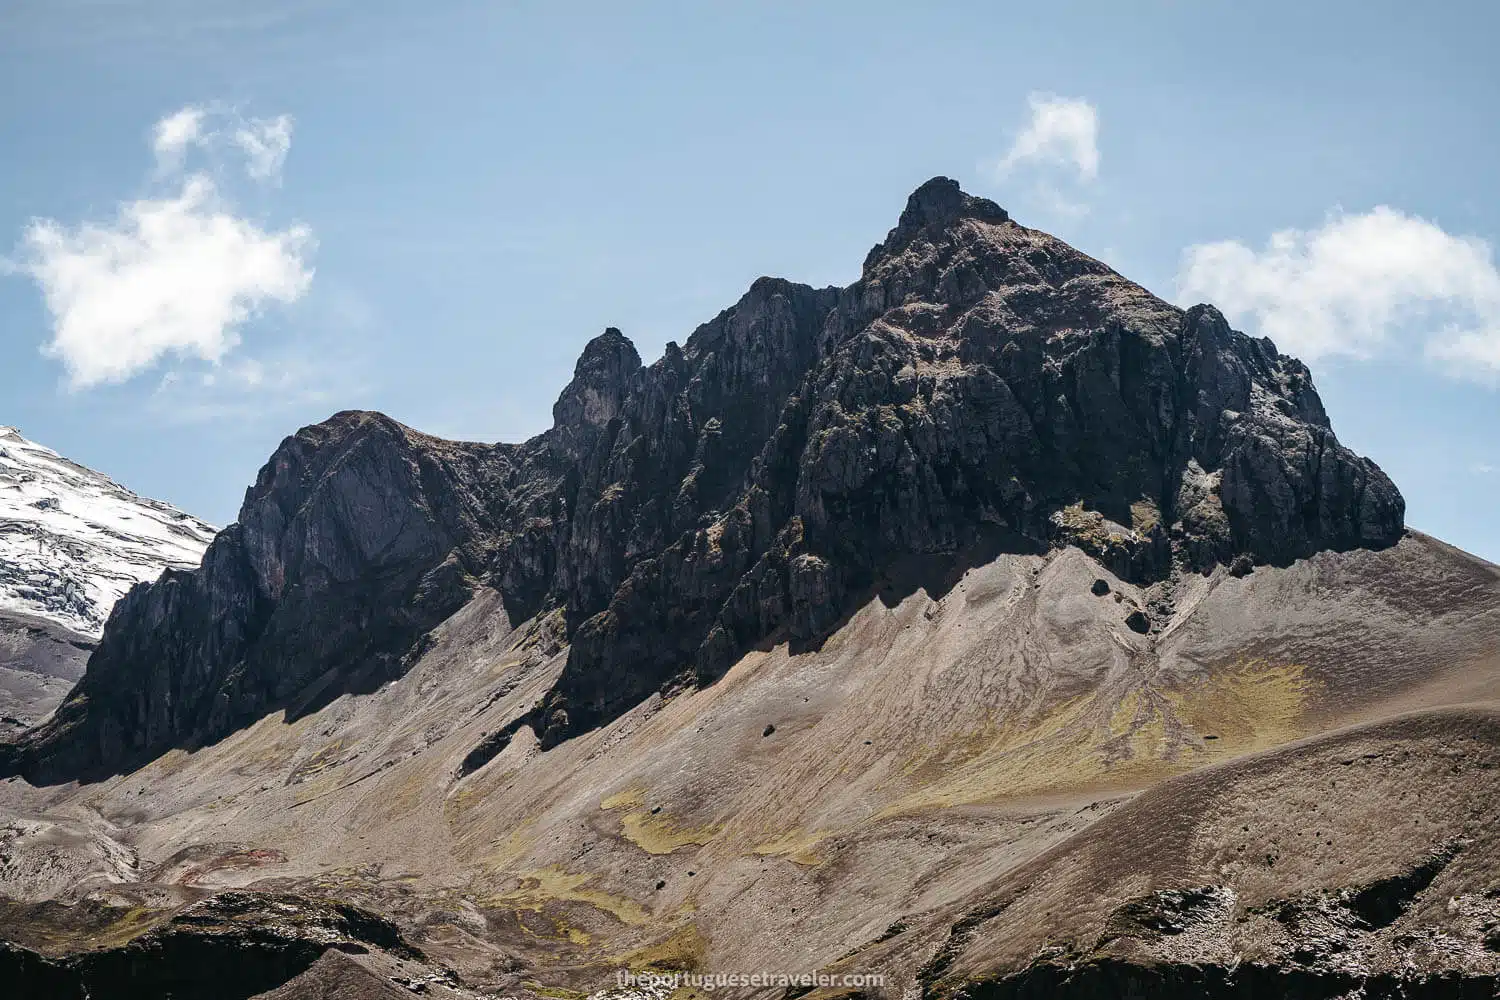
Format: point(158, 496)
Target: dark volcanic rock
point(982, 386)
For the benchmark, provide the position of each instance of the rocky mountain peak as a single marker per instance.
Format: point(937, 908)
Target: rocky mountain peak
point(937, 205)
point(600, 381)
point(941, 202)
point(343, 500)
point(983, 387)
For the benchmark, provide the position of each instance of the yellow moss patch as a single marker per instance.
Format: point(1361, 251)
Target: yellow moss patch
point(465, 797)
point(1083, 743)
point(507, 851)
point(799, 848)
point(660, 835)
point(131, 924)
point(549, 885)
point(271, 742)
point(1122, 721)
point(329, 756)
point(1148, 739)
point(1251, 706)
point(1097, 742)
point(405, 796)
point(171, 762)
point(556, 929)
point(681, 951)
point(313, 789)
point(628, 799)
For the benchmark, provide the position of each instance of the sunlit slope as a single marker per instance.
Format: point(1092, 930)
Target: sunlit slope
point(802, 805)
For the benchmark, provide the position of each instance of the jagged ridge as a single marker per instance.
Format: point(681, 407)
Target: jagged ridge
point(982, 385)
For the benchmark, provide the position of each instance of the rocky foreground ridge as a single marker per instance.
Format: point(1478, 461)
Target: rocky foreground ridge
point(982, 388)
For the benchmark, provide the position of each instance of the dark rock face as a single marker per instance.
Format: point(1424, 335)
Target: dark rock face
point(228, 947)
point(982, 378)
point(982, 385)
point(358, 537)
point(1114, 978)
point(39, 661)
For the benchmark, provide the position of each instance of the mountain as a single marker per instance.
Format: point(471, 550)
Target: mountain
point(989, 624)
point(72, 542)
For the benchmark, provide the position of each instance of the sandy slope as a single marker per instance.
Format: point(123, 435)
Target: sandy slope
point(813, 801)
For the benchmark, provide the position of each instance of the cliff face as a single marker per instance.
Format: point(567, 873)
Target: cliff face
point(357, 538)
point(982, 385)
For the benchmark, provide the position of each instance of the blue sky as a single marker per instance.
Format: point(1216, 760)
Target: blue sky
point(428, 208)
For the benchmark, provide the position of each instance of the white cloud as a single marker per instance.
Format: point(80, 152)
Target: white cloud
point(1475, 353)
point(262, 142)
point(177, 274)
point(1359, 286)
point(174, 134)
point(265, 142)
point(1062, 131)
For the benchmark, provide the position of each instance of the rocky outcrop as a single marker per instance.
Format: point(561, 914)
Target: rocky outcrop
point(1098, 980)
point(358, 537)
point(982, 386)
point(226, 947)
point(983, 381)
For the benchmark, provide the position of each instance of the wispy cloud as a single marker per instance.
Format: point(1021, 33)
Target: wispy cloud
point(1062, 131)
point(253, 389)
point(260, 143)
point(174, 274)
point(1361, 285)
point(291, 376)
point(265, 142)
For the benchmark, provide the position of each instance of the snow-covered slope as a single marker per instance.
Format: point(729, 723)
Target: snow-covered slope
point(73, 541)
